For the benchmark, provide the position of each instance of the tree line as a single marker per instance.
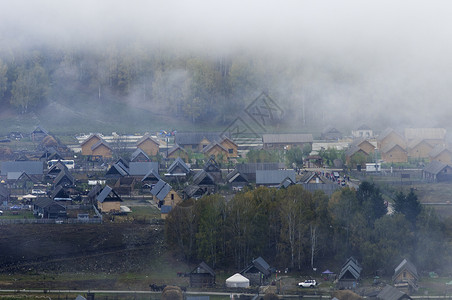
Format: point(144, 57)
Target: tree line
point(300, 230)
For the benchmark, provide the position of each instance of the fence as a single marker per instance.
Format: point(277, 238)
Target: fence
point(50, 221)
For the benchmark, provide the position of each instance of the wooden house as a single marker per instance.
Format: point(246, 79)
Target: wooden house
point(273, 177)
point(177, 152)
point(363, 131)
point(101, 149)
point(125, 185)
point(21, 182)
point(249, 169)
point(217, 151)
point(151, 178)
point(197, 141)
point(139, 156)
point(194, 191)
point(213, 169)
point(230, 146)
point(202, 276)
point(178, 169)
point(149, 145)
point(46, 208)
point(237, 180)
point(392, 293)
point(93, 193)
point(437, 171)
point(365, 145)
point(61, 196)
point(394, 153)
point(353, 152)
point(88, 143)
point(64, 178)
point(433, 136)
point(38, 134)
point(314, 178)
point(405, 276)
point(331, 134)
point(286, 141)
point(56, 169)
point(388, 137)
point(419, 148)
point(349, 275)
point(108, 201)
point(116, 171)
point(140, 169)
point(258, 272)
point(165, 195)
point(441, 153)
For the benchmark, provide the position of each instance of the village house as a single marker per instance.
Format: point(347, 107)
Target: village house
point(108, 201)
point(249, 169)
point(151, 178)
point(237, 180)
point(286, 141)
point(38, 134)
point(20, 182)
point(355, 151)
point(258, 272)
point(419, 149)
point(405, 277)
point(197, 141)
point(330, 134)
point(61, 196)
point(13, 169)
point(64, 178)
point(101, 149)
point(433, 136)
point(177, 152)
point(388, 137)
point(392, 293)
point(88, 143)
point(365, 145)
point(202, 276)
point(139, 156)
point(394, 153)
point(217, 151)
point(125, 185)
point(273, 178)
point(165, 196)
point(212, 167)
point(46, 208)
point(149, 145)
point(441, 153)
point(178, 169)
point(363, 131)
point(437, 171)
point(350, 274)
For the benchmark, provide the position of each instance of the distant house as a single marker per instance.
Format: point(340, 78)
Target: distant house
point(177, 152)
point(88, 143)
point(236, 179)
point(61, 196)
point(108, 201)
point(140, 169)
point(230, 146)
point(64, 178)
point(419, 148)
point(258, 271)
point(331, 134)
point(21, 181)
point(437, 171)
point(202, 276)
point(249, 169)
point(363, 131)
point(433, 136)
point(390, 137)
point(286, 141)
point(392, 293)
point(152, 177)
point(38, 134)
point(274, 177)
point(149, 145)
point(354, 151)
point(197, 141)
point(117, 170)
point(93, 193)
point(216, 150)
point(139, 156)
point(313, 177)
point(101, 149)
point(125, 185)
point(350, 274)
point(47, 208)
point(165, 195)
point(365, 145)
point(178, 169)
point(441, 153)
point(56, 169)
point(213, 169)
point(405, 276)
point(394, 153)
point(32, 168)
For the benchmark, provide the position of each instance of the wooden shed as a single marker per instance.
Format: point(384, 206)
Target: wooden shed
point(405, 277)
point(202, 276)
point(149, 145)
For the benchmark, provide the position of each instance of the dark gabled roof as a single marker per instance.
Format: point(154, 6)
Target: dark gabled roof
point(353, 150)
point(191, 190)
point(309, 175)
point(90, 137)
point(351, 266)
point(46, 202)
point(407, 266)
point(59, 192)
point(108, 194)
point(63, 174)
point(95, 191)
point(212, 166)
point(203, 176)
point(414, 143)
point(39, 129)
point(251, 168)
point(117, 168)
point(203, 268)
point(163, 192)
point(235, 174)
point(175, 148)
point(286, 183)
point(157, 187)
point(59, 166)
point(178, 162)
point(99, 143)
point(51, 153)
point(124, 162)
point(142, 168)
point(152, 174)
point(19, 176)
point(288, 138)
point(138, 152)
point(194, 138)
point(435, 167)
point(438, 149)
point(392, 293)
point(29, 167)
point(260, 264)
point(391, 146)
point(274, 176)
point(147, 137)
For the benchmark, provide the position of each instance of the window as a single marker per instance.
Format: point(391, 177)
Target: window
point(231, 151)
point(172, 196)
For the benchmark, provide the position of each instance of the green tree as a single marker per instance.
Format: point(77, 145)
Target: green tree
point(294, 156)
point(371, 201)
point(30, 87)
point(408, 205)
point(3, 80)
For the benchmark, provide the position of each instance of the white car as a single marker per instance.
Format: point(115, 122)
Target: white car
point(310, 283)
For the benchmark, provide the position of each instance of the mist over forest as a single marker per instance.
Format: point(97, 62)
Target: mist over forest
point(197, 63)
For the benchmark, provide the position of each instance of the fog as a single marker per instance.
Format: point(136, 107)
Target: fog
point(375, 62)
